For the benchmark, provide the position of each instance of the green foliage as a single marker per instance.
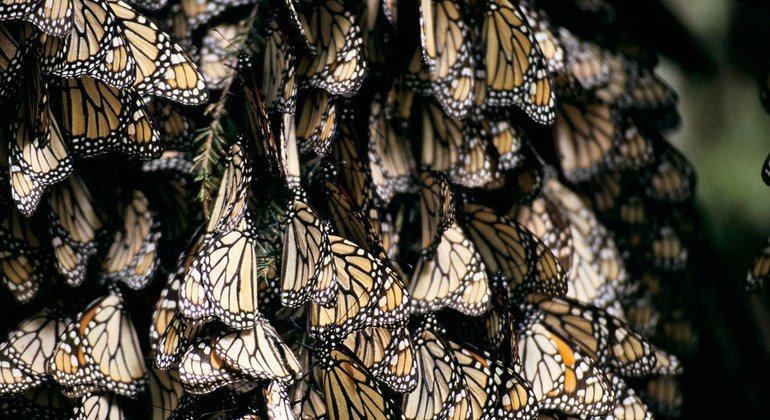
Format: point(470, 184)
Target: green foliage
point(210, 148)
point(211, 142)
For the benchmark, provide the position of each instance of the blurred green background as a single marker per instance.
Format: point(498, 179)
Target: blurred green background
point(725, 132)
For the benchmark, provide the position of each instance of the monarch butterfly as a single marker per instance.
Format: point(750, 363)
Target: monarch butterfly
point(35, 165)
point(166, 393)
point(664, 396)
point(307, 271)
point(170, 334)
point(629, 405)
point(24, 356)
point(650, 92)
point(338, 63)
point(665, 248)
point(349, 390)
point(176, 128)
point(364, 223)
point(375, 35)
point(290, 164)
point(636, 219)
point(527, 178)
point(97, 118)
point(547, 39)
point(39, 402)
point(232, 194)
point(217, 61)
point(680, 332)
point(585, 134)
point(634, 150)
point(477, 164)
point(277, 401)
point(642, 315)
point(14, 47)
point(614, 198)
point(349, 221)
point(193, 301)
point(597, 272)
point(387, 353)
point(313, 405)
point(437, 210)
point(443, 138)
point(507, 141)
point(150, 4)
point(347, 166)
point(76, 226)
point(617, 90)
point(265, 145)
point(493, 390)
point(172, 341)
point(98, 407)
point(124, 49)
point(759, 272)
point(200, 12)
point(23, 261)
point(258, 352)
point(666, 364)
point(415, 79)
point(671, 178)
point(561, 376)
point(498, 326)
point(296, 27)
point(390, 10)
point(173, 196)
point(176, 163)
point(584, 61)
point(84, 50)
point(446, 50)
point(602, 337)
point(391, 163)
point(132, 256)
point(175, 24)
point(38, 156)
point(227, 266)
point(278, 71)
point(440, 389)
point(202, 370)
point(55, 20)
point(516, 72)
point(454, 277)
point(766, 170)
point(607, 192)
point(224, 403)
point(370, 294)
point(547, 221)
point(307, 399)
point(348, 160)
point(316, 121)
point(25, 190)
point(99, 351)
point(399, 102)
point(509, 248)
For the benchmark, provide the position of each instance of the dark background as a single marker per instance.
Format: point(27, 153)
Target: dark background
point(725, 132)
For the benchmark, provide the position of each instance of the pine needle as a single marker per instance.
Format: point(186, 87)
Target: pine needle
point(206, 166)
point(211, 141)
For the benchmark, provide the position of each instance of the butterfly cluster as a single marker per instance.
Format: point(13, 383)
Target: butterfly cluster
point(82, 74)
point(435, 209)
